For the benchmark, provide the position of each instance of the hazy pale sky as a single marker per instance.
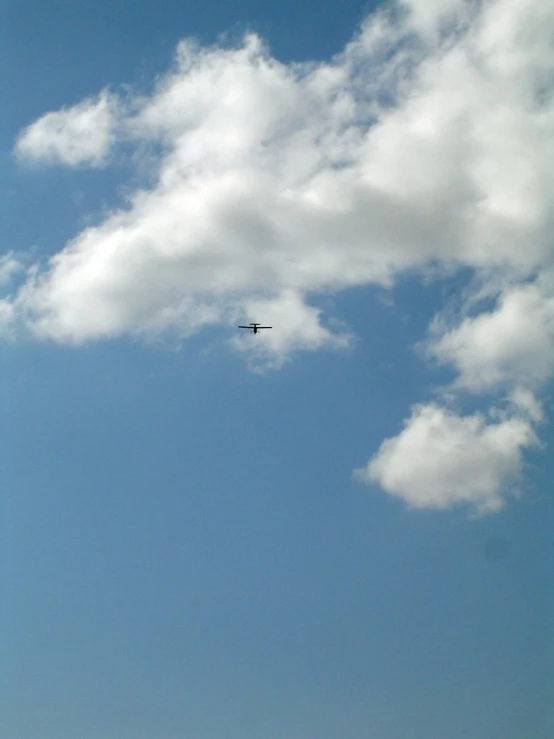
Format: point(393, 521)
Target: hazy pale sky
point(340, 528)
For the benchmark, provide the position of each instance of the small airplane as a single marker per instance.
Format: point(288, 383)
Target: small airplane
point(255, 327)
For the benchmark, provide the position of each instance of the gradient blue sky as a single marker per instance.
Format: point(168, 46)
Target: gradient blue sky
point(187, 550)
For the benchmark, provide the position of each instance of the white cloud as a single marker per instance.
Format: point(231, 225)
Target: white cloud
point(428, 16)
point(10, 265)
point(81, 134)
point(276, 178)
point(441, 460)
point(527, 404)
point(294, 325)
point(510, 345)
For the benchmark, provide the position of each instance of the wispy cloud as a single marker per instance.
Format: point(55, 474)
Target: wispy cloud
point(427, 140)
point(10, 265)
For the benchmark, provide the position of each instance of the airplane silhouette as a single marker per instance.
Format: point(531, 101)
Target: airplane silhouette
point(255, 327)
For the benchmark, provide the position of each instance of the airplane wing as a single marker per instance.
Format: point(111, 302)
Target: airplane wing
point(250, 327)
point(259, 327)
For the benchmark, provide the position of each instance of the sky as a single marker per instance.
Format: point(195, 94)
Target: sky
point(340, 527)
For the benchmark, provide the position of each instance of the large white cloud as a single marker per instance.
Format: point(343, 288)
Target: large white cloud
point(428, 140)
point(441, 459)
point(276, 178)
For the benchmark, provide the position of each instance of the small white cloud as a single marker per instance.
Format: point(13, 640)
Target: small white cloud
point(441, 460)
point(82, 134)
point(294, 326)
point(511, 345)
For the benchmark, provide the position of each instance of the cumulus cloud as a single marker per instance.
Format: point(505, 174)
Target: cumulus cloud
point(82, 134)
point(428, 140)
point(440, 460)
point(294, 325)
point(510, 345)
point(296, 179)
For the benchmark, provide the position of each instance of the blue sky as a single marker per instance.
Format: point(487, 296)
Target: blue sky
point(339, 528)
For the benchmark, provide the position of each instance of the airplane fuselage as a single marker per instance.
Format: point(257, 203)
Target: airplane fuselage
point(255, 327)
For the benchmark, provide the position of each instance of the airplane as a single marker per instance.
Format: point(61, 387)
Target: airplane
point(255, 327)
